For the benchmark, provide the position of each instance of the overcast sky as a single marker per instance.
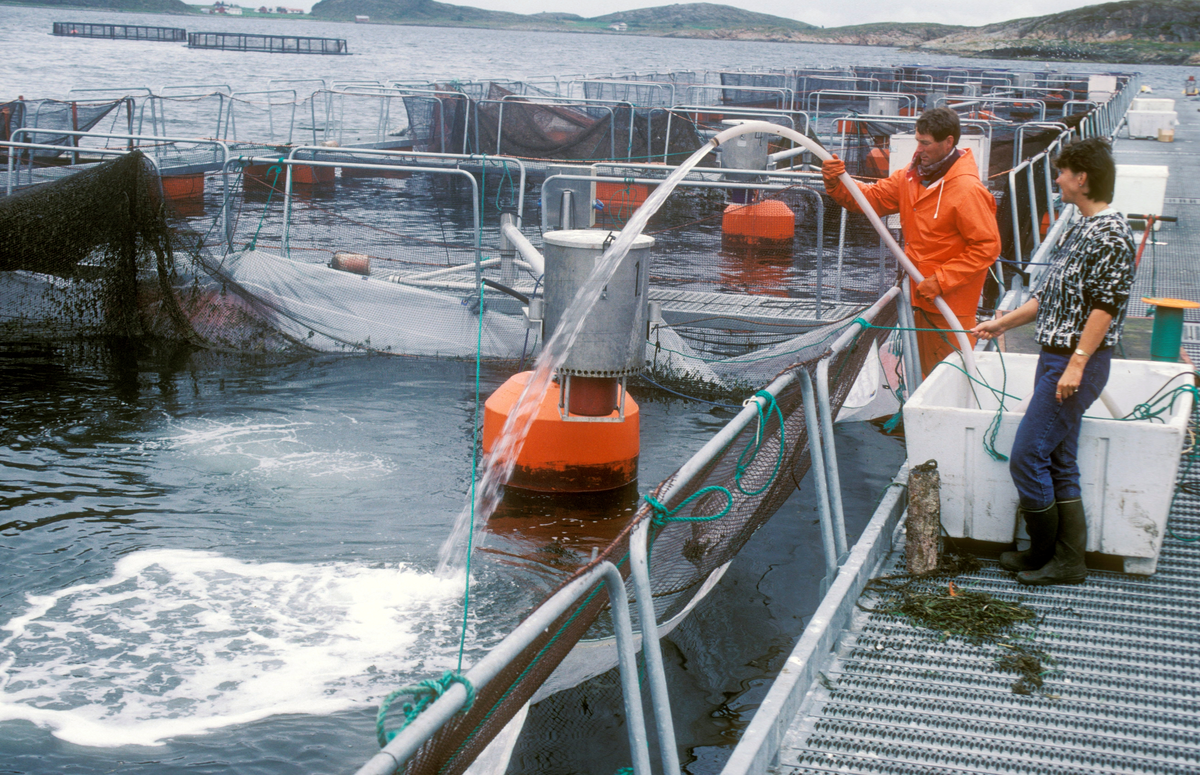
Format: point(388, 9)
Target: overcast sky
point(826, 14)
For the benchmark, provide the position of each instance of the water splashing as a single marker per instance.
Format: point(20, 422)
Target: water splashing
point(499, 464)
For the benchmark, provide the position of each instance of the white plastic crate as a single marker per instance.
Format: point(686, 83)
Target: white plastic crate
point(1152, 103)
point(1146, 123)
point(1140, 189)
point(1127, 468)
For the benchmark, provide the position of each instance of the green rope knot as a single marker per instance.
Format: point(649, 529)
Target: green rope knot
point(663, 515)
point(423, 695)
point(765, 407)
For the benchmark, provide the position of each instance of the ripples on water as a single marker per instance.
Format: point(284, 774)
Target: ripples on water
point(229, 558)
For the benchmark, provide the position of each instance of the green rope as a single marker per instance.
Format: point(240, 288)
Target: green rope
point(474, 477)
point(663, 515)
point(772, 405)
point(277, 169)
point(423, 695)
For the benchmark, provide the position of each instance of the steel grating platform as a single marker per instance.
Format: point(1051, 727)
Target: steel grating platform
point(865, 692)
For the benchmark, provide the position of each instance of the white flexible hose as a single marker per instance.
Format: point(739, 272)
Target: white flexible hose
point(968, 354)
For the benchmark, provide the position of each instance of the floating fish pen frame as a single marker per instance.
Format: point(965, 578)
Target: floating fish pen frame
point(120, 32)
point(270, 44)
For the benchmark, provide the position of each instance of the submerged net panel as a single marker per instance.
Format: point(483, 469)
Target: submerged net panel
point(684, 553)
point(73, 253)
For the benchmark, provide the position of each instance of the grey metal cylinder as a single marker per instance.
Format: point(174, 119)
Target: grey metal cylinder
point(744, 152)
point(613, 340)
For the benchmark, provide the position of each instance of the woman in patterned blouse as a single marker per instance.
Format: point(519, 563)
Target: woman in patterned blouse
point(1079, 310)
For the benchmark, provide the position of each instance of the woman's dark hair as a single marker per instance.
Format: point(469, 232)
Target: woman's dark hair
point(1093, 156)
point(939, 123)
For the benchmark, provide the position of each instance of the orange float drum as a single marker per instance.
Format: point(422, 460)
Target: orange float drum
point(573, 455)
point(767, 221)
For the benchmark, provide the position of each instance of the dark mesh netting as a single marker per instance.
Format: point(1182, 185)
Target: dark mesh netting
point(754, 483)
point(53, 114)
point(517, 119)
point(99, 254)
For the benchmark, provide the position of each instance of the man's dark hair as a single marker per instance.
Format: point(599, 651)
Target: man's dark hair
point(939, 123)
point(1093, 156)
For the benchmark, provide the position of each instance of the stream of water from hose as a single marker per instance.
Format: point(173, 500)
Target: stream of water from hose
point(498, 465)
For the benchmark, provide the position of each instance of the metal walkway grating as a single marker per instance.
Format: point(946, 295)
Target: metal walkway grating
point(1124, 696)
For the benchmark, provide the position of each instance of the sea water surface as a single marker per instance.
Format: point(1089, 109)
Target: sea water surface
point(218, 563)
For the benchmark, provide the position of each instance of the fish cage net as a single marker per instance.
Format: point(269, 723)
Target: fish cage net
point(61, 115)
point(705, 523)
point(522, 120)
point(98, 254)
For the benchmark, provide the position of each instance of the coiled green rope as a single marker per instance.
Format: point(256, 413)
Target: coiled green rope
point(423, 694)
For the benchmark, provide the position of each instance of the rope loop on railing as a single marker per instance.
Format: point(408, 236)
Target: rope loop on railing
point(423, 694)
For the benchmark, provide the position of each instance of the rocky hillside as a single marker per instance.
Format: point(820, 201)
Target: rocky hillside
point(148, 6)
point(1166, 31)
point(700, 16)
point(428, 12)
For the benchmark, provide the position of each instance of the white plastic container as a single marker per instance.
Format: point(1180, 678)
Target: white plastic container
point(1127, 468)
point(1152, 104)
point(1146, 123)
point(1140, 189)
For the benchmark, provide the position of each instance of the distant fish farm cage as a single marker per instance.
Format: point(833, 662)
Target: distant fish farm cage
point(271, 44)
point(119, 32)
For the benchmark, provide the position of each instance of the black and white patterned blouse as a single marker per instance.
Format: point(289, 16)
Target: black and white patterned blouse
point(1093, 269)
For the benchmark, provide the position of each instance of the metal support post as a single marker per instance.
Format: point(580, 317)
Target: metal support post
point(639, 564)
point(831, 462)
point(811, 421)
point(912, 358)
point(508, 253)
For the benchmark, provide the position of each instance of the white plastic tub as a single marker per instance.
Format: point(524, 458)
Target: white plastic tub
point(1140, 189)
point(1152, 104)
point(1146, 123)
point(1127, 468)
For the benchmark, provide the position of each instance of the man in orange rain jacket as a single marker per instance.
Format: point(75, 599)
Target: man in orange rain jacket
point(948, 218)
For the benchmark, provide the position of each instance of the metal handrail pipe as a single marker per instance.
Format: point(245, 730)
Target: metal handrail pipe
point(443, 272)
point(698, 463)
point(435, 155)
point(434, 717)
point(518, 240)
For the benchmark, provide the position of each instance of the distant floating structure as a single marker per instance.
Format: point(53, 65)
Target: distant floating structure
point(271, 44)
point(119, 32)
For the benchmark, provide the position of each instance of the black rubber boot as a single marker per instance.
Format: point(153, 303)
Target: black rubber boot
point(1042, 527)
point(1067, 566)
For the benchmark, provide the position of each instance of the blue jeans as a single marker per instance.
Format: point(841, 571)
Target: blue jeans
point(1042, 462)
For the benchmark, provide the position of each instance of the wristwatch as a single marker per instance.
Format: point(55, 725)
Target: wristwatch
point(1084, 353)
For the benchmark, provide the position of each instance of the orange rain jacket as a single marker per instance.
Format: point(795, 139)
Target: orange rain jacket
point(949, 228)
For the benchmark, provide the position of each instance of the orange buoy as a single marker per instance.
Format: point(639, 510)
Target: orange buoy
point(767, 221)
point(618, 196)
point(877, 163)
point(565, 455)
point(356, 263)
point(177, 187)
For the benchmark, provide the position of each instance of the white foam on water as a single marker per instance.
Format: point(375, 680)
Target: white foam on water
point(182, 642)
point(275, 448)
